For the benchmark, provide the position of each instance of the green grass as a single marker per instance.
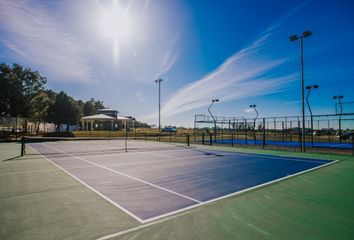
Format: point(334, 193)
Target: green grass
point(39, 201)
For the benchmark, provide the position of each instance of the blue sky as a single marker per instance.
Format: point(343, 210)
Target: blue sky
point(237, 51)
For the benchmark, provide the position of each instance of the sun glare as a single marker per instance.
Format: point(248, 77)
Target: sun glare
point(115, 24)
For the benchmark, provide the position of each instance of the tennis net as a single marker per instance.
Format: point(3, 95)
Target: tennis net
point(91, 146)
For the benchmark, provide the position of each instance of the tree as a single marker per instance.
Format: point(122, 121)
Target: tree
point(91, 106)
point(39, 106)
point(65, 110)
point(18, 85)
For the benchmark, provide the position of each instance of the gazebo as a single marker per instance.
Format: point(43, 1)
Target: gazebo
point(99, 122)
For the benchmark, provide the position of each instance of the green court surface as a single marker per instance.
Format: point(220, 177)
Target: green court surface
point(40, 201)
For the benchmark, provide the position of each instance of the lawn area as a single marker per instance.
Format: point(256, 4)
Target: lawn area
point(40, 201)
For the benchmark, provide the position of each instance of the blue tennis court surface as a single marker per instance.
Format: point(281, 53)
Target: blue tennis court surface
point(343, 145)
point(160, 181)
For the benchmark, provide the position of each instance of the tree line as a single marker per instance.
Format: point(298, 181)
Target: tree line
point(23, 94)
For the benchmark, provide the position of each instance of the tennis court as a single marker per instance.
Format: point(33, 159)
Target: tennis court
point(153, 180)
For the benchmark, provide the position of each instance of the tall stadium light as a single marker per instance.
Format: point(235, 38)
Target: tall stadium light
point(159, 82)
point(339, 98)
point(212, 102)
point(308, 88)
point(294, 38)
point(253, 106)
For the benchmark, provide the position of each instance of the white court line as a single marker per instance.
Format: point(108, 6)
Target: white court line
point(283, 157)
point(159, 219)
point(123, 174)
point(94, 190)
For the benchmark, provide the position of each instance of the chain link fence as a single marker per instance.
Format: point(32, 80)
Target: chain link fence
point(323, 133)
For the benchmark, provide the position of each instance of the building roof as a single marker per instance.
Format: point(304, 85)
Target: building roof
point(104, 117)
point(106, 110)
point(98, 117)
point(122, 118)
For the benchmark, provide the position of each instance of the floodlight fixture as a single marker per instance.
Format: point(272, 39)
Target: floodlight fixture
point(215, 100)
point(293, 38)
point(338, 97)
point(306, 33)
point(315, 86)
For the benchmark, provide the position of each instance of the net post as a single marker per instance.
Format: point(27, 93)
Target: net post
point(22, 146)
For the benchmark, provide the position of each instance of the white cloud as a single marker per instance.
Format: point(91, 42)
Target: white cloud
point(36, 37)
point(140, 97)
point(249, 110)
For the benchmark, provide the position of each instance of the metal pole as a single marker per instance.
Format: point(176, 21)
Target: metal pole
point(308, 105)
point(212, 102)
point(159, 82)
point(340, 120)
point(302, 96)
point(159, 105)
point(264, 132)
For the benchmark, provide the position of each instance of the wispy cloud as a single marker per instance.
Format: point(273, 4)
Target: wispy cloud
point(242, 75)
point(247, 73)
point(170, 58)
point(293, 102)
point(36, 37)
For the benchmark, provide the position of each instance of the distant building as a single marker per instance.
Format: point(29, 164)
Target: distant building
point(108, 120)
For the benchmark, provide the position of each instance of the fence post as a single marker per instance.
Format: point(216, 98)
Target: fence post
point(188, 140)
point(22, 146)
point(211, 138)
point(246, 130)
point(145, 136)
point(232, 140)
point(254, 132)
point(311, 130)
point(264, 132)
point(299, 134)
point(202, 138)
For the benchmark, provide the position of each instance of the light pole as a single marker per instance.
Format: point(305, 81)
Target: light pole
point(340, 115)
point(308, 88)
point(159, 82)
point(294, 38)
point(212, 102)
point(253, 106)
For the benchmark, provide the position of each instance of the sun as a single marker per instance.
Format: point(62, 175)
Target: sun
point(116, 24)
